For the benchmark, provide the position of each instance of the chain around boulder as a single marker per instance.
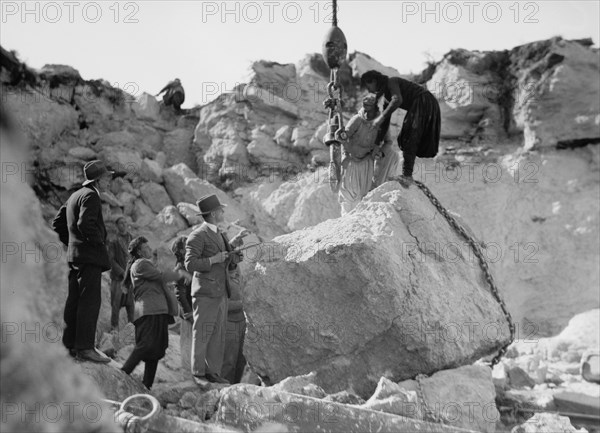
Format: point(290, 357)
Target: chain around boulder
point(482, 263)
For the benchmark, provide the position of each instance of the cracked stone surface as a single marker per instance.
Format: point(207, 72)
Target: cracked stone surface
point(387, 290)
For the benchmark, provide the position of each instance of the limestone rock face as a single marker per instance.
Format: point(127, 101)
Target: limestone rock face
point(252, 408)
point(282, 206)
point(146, 107)
point(115, 384)
point(167, 224)
point(151, 170)
point(184, 186)
point(177, 146)
point(550, 192)
point(547, 422)
point(464, 397)
point(190, 213)
point(43, 119)
point(392, 398)
point(155, 196)
point(469, 92)
point(36, 373)
point(549, 73)
point(350, 296)
point(264, 148)
point(361, 63)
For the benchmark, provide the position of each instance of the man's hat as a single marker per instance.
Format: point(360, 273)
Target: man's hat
point(209, 203)
point(93, 170)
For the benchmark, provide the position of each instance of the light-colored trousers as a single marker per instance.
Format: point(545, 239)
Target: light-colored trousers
point(208, 334)
point(185, 344)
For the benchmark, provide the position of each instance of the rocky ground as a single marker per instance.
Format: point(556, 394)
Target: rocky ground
point(518, 167)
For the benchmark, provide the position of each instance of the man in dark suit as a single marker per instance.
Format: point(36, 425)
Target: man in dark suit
point(208, 256)
point(80, 227)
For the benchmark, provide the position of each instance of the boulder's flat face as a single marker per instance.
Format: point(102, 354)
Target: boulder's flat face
point(253, 408)
point(387, 290)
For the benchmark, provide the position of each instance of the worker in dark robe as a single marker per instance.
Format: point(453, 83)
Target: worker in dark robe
point(420, 135)
point(174, 94)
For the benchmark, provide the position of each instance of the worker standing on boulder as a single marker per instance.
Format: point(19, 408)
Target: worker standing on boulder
point(174, 94)
point(359, 154)
point(420, 135)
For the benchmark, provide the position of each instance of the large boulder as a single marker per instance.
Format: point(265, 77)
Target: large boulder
point(462, 397)
point(350, 296)
point(263, 148)
point(177, 146)
point(183, 185)
point(155, 196)
point(115, 384)
point(43, 119)
point(122, 160)
point(392, 398)
point(361, 63)
point(547, 422)
point(469, 92)
point(251, 408)
point(151, 170)
point(167, 223)
point(146, 107)
point(548, 73)
point(301, 201)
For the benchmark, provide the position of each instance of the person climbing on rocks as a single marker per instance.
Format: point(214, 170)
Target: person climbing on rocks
point(174, 94)
point(420, 135)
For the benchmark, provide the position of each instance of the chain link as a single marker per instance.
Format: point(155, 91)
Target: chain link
point(335, 110)
point(482, 262)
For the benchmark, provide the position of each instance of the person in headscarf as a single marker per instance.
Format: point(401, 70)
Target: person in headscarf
point(153, 309)
point(359, 152)
point(420, 135)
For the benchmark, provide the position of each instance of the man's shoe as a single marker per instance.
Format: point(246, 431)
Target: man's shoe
point(215, 378)
point(92, 356)
point(201, 381)
point(72, 353)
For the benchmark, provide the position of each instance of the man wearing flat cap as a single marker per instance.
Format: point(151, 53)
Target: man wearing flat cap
point(209, 257)
point(80, 226)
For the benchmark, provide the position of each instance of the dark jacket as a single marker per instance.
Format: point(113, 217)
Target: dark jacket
point(210, 281)
point(184, 294)
point(117, 252)
point(80, 226)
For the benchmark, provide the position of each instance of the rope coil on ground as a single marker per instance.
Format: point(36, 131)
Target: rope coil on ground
point(132, 423)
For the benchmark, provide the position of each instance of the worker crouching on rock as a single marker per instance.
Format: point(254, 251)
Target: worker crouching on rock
point(420, 135)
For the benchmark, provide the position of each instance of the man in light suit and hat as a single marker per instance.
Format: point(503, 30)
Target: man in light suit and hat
point(209, 256)
point(80, 226)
